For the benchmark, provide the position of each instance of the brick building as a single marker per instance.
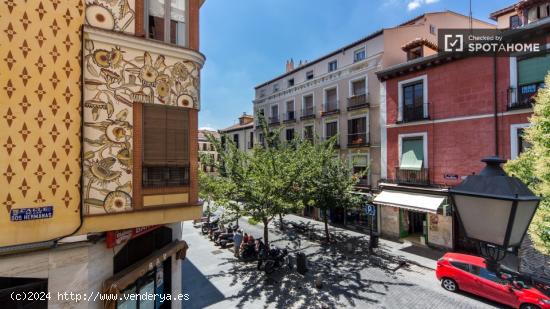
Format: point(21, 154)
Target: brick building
point(442, 114)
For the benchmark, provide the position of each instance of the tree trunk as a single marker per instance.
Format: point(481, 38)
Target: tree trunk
point(208, 210)
point(266, 232)
point(281, 224)
point(325, 219)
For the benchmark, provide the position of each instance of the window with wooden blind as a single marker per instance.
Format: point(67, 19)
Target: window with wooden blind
point(165, 146)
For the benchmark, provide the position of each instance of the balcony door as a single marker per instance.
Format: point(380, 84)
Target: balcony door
point(358, 87)
point(357, 131)
point(413, 101)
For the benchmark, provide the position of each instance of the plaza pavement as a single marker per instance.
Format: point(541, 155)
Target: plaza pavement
point(213, 278)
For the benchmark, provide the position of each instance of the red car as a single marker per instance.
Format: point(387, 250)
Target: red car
point(468, 273)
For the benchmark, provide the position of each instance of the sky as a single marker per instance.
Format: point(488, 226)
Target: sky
point(247, 42)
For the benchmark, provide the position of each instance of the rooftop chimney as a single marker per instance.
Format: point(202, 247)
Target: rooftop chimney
point(245, 119)
point(289, 65)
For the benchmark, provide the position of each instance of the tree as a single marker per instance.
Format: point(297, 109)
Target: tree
point(330, 183)
point(261, 179)
point(533, 167)
point(213, 190)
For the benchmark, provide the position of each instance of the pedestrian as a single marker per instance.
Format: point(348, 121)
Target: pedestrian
point(245, 240)
point(237, 239)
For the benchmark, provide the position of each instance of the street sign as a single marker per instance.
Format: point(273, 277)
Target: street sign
point(24, 214)
point(370, 210)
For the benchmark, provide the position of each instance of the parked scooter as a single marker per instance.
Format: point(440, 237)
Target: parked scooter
point(248, 253)
point(208, 226)
point(271, 259)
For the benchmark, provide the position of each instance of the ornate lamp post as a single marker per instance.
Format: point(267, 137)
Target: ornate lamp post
point(494, 209)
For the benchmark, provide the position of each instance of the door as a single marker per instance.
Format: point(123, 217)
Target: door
point(416, 222)
point(491, 286)
point(464, 277)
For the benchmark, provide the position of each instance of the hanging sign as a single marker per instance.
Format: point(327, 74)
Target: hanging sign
point(24, 214)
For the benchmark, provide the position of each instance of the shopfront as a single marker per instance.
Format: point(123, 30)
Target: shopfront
point(418, 217)
point(143, 271)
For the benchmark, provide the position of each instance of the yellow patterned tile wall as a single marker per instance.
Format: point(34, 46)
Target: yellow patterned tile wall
point(40, 49)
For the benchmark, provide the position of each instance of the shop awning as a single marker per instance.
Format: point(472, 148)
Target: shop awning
point(408, 200)
point(117, 283)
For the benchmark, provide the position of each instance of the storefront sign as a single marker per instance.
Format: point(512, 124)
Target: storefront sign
point(24, 214)
point(115, 238)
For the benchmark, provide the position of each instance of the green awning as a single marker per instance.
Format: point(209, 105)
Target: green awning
point(412, 157)
point(533, 70)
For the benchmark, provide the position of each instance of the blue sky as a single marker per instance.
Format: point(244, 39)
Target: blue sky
point(247, 42)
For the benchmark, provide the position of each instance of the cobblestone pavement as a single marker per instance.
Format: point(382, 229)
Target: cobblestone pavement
point(213, 278)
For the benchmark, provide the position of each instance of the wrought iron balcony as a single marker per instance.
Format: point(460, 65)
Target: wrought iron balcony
point(412, 177)
point(330, 108)
point(358, 101)
point(358, 139)
point(308, 112)
point(363, 182)
point(290, 116)
point(518, 101)
point(414, 113)
point(336, 144)
point(274, 120)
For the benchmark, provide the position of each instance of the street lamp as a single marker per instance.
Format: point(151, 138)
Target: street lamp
point(494, 209)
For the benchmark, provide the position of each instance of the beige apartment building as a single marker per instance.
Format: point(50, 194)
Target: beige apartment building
point(207, 148)
point(339, 94)
point(241, 133)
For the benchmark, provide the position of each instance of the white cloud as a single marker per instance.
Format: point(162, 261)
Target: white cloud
point(415, 4)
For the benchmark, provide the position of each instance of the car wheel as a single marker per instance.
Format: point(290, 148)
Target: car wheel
point(449, 285)
point(529, 306)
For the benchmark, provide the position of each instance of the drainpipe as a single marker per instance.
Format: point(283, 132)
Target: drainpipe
point(495, 102)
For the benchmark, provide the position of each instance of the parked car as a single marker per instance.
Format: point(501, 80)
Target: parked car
point(469, 273)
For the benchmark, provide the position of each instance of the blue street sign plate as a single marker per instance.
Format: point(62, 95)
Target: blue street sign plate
point(370, 210)
point(24, 214)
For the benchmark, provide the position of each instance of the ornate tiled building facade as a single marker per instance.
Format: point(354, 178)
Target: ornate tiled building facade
point(40, 48)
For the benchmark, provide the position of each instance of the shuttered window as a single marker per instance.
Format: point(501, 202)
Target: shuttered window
point(165, 146)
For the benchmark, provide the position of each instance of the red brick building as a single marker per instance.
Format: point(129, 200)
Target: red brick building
point(442, 115)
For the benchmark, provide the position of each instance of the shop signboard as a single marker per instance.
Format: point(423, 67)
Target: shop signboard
point(115, 238)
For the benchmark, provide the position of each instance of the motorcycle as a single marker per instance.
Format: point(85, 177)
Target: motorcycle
point(272, 259)
point(249, 252)
point(208, 226)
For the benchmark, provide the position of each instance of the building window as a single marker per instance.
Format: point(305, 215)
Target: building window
point(165, 146)
point(331, 129)
point(236, 140)
point(333, 65)
point(515, 21)
point(360, 165)
point(308, 133)
point(531, 74)
point(290, 82)
point(412, 153)
point(212, 147)
point(517, 139)
point(309, 75)
point(261, 138)
point(415, 53)
point(432, 29)
point(289, 134)
point(204, 146)
point(308, 106)
point(251, 141)
point(412, 106)
point(275, 88)
point(173, 29)
point(359, 55)
point(262, 93)
point(358, 87)
point(357, 131)
point(331, 99)
point(290, 111)
point(274, 114)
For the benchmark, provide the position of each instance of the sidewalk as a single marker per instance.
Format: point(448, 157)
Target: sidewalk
point(414, 254)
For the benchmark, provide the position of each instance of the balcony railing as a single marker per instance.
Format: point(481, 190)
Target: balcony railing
point(274, 120)
point(290, 116)
point(308, 112)
point(414, 113)
point(330, 108)
point(363, 182)
point(358, 101)
point(412, 177)
point(336, 144)
point(518, 101)
point(358, 139)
